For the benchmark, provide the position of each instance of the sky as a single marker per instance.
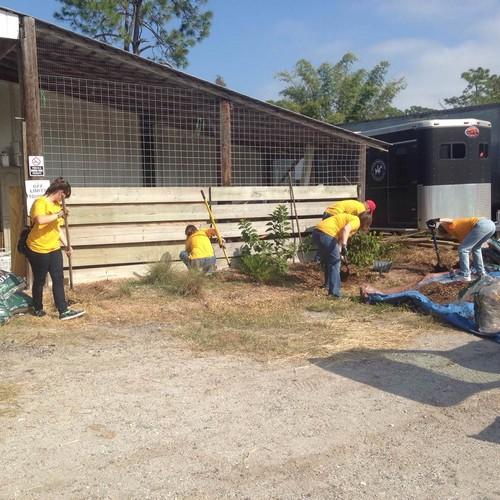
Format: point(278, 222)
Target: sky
point(428, 42)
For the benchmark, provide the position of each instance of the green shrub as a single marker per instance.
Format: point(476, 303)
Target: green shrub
point(364, 248)
point(267, 259)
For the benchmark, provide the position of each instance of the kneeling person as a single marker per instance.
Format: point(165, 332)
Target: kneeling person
point(199, 253)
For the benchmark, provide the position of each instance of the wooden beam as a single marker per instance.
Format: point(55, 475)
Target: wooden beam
point(225, 143)
point(30, 88)
point(362, 173)
point(271, 193)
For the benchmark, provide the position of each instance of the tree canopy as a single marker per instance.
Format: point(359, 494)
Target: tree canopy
point(482, 87)
point(162, 30)
point(337, 93)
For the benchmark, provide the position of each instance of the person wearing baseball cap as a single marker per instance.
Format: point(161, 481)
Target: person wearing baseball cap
point(352, 207)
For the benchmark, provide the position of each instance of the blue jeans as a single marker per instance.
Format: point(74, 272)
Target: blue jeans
point(329, 251)
point(480, 233)
point(206, 264)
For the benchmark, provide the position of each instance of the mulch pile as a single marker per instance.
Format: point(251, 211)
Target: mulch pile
point(442, 293)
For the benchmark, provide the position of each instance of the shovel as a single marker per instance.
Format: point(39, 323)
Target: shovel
point(344, 269)
point(438, 268)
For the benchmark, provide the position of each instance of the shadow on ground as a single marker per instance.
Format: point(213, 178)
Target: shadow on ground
point(491, 433)
point(438, 378)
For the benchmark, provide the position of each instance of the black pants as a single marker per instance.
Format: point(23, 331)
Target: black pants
point(41, 264)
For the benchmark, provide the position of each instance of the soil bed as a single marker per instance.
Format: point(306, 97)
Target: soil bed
point(442, 293)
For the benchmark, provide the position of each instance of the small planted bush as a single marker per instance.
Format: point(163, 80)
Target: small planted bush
point(266, 259)
point(364, 248)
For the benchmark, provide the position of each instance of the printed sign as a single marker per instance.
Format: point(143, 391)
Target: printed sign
point(378, 170)
point(35, 189)
point(36, 166)
point(472, 131)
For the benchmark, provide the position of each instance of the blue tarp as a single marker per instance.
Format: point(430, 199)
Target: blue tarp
point(459, 314)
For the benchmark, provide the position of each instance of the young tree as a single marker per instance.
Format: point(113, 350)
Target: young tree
point(162, 30)
point(482, 87)
point(336, 93)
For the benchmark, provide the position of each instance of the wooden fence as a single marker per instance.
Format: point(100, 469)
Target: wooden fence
point(117, 232)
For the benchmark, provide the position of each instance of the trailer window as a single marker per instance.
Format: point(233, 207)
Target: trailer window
point(483, 150)
point(454, 151)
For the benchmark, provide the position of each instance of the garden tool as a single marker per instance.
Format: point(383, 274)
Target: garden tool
point(382, 266)
point(432, 225)
point(68, 242)
point(214, 225)
point(344, 265)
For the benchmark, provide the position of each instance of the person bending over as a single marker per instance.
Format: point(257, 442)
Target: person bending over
point(331, 236)
point(353, 207)
point(44, 248)
point(199, 253)
point(472, 233)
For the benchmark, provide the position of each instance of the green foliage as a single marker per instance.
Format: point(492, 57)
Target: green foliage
point(162, 276)
point(364, 248)
point(482, 87)
point(336, 93)
point(162, 30)
point(267, 259)
point(307, 245)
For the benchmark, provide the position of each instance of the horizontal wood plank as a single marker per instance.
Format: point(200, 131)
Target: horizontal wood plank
point(119, 234)
point(113, 214)
point(108, 256)
point(132, 195)
point(271, 193)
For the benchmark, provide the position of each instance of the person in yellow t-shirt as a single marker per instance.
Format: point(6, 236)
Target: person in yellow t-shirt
point(353, 207)
point(199, 253)
point(330, 237)
point(472, 233)
point(44, 248)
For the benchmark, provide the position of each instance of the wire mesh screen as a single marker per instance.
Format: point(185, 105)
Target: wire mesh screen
point(102, 133)
point(145, 130)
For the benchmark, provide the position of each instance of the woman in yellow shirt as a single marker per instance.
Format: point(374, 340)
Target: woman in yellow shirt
point(330, 237)
point(472, 233)
point(199, 253)
point(44, 248)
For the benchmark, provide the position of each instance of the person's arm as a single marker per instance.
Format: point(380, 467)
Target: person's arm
point(344, 234)
point(62, 239)
point(46, 219)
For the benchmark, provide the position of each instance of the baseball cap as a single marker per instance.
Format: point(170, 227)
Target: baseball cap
point(371, 205)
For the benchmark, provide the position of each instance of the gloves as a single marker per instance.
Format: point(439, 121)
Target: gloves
point(432, 223)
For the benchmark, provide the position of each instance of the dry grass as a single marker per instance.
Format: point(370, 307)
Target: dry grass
point(233, 315)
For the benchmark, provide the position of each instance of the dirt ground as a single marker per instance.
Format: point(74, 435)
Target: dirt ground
point(247, 391)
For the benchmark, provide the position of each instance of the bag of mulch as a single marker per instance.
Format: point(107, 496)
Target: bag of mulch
point(10, 284)
point(487, 308)
point(18, 303)
point(4, 314)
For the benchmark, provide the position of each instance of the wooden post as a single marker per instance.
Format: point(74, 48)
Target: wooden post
point(308, 164)
point(362, 172)
point(30, 90)
point(225, 143)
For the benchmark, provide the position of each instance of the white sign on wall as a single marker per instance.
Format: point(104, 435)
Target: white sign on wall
point(35, 189)
point(36, 166)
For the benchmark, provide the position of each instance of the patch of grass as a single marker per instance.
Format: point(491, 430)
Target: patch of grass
point(184, 284)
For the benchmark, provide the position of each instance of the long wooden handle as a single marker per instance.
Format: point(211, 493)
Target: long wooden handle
point(212, 220)
point(68, 243)
point(292, 195)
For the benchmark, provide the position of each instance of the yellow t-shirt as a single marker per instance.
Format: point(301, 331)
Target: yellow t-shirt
point(199, 246)
point(460, 228)
point(353, 207)
point(44, 238)
point(333, 225)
